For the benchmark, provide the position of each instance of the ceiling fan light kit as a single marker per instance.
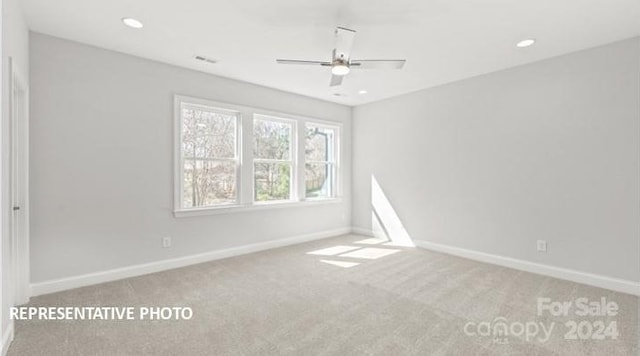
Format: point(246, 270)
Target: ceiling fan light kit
point(340, 69)
point(341, 62)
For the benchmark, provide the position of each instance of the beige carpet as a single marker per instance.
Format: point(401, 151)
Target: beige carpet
point(361, 298)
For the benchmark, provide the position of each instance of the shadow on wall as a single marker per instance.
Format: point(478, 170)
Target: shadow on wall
point(385, 222)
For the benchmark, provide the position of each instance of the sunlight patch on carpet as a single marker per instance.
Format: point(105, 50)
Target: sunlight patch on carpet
point(370, 253)
point(332, 251)
point(343, 264)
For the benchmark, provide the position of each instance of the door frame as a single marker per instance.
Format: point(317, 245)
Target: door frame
point(18, 135)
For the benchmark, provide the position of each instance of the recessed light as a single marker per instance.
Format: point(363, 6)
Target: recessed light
point(131, 22)
point(526, 43)
point(362, 92)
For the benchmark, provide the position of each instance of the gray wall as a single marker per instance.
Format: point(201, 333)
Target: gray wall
point(493, 163)
point(101, 162)
point(547, 151)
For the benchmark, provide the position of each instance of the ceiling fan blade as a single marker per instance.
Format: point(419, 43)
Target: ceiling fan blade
point(296, 61)
point(344, 42)
point(378, 63)
point(336, 80)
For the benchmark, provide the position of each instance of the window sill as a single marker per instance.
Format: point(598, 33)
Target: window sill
point(229, 209)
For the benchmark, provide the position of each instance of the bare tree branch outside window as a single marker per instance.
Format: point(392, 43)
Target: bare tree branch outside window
point(209, 156)
point(272, 159)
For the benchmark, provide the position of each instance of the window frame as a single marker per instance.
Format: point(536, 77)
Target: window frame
point(180, 102)
point(334, 162)
point(293, 159)
point(245, 169)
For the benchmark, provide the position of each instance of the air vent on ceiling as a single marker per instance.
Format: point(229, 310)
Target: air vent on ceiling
point(205, 59)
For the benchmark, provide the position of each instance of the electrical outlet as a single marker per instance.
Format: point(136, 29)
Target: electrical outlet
point(542, 245)
point(166, 241)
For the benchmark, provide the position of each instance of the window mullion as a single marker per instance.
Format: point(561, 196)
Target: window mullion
point(293, 155)
point(246, 162)
point(302, 140)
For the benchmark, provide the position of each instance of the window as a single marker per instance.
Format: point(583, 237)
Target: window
point(272, 158)
point(320, 161)
point(208, 156)
point(235, 158)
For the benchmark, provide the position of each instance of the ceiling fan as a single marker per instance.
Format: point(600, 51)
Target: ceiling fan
point(341, 62)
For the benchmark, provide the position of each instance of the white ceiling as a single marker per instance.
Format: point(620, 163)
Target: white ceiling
point(442, 40)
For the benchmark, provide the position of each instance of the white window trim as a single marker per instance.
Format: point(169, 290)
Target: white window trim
point(179, 159)
point(245, 183)
point(293, 160)
point(335, 174)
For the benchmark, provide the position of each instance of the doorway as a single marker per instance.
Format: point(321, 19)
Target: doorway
point(18, 186)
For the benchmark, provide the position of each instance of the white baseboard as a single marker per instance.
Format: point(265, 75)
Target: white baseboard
point(152, 267)
point(615, 284)
point(7, 337)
